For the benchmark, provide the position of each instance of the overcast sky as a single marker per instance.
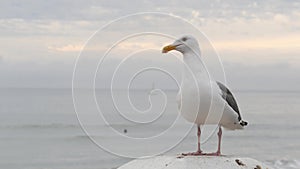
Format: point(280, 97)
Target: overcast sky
point(257, 41)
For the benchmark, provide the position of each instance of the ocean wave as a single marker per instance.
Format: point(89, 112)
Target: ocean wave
point(60, 125)
point(85, 137)
point(41, 126)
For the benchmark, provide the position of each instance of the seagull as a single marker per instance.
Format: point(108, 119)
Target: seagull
point(202, 100)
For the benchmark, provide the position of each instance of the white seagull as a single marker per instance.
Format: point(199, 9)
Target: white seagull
point(202, 100)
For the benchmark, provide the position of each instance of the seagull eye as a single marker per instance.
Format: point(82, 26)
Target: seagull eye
point(184, 39)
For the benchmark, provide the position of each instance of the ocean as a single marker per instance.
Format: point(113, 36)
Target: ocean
point(39, 128)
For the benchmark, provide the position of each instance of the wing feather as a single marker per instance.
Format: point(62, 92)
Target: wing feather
point(228, 96)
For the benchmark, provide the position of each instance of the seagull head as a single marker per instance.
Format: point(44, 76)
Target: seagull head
point(184, 44)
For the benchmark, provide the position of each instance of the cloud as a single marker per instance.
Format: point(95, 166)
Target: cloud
point(282, 19)
point(291, 42)
point(259, 35)
point(107, 10)
point(67, 48)
point(139, 45)
point(18, 27)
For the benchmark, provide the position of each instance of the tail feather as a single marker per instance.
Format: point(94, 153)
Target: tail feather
point(243, 123)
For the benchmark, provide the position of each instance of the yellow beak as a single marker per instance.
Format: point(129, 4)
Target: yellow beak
point(168, 48)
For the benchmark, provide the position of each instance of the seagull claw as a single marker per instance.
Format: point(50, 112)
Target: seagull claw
point(213, 154)
point(197, 153)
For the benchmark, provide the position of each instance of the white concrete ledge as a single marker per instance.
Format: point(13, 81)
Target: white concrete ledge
point(194, 162)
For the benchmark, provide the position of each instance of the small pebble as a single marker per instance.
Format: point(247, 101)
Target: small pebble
point(258, 167)
point(239, 162)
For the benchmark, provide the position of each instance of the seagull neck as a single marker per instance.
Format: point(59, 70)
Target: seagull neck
point(193, 63)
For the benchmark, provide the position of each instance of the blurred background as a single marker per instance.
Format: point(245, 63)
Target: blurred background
point(41, 41)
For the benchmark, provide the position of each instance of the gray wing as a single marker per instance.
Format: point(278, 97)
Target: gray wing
point(228, 96)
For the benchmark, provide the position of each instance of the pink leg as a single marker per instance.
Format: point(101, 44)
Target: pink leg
point(199, 140)
point(199, 151)
point(218, 153)
point(220, 139)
